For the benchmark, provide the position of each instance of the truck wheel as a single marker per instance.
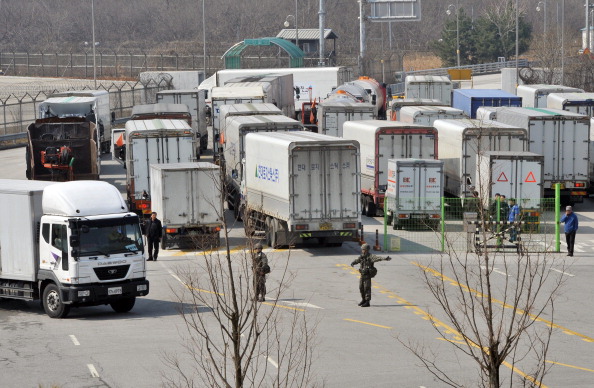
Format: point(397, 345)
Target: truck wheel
point(164, 242)
point(274, 227)
point(371, 211)
point(267, 227)
point(123, 305)
point(52, 302)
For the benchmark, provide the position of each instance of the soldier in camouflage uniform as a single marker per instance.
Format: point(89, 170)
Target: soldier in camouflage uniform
point(366, 269)
point(261, 268)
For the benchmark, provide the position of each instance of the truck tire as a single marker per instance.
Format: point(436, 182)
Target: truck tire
point(371, 210)
point(123, 305)
point(267, 232)
point(52, 302)
point(164, 242)
point(274, 227)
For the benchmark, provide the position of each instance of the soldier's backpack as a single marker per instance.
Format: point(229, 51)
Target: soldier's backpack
point(265, 269)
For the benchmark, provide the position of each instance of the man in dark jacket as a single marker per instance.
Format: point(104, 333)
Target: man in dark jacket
point(367, 271)
point(571, 226)
point(153, 231)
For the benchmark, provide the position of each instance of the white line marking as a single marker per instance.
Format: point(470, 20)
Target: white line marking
point(561, 272)
point(176, 277)
point(93, 370)
point(74, 340)
point(303, 304)
point(274, 364)
point(496, 271)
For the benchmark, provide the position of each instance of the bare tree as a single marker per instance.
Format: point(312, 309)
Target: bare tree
point(230, 338)
point(495, 320)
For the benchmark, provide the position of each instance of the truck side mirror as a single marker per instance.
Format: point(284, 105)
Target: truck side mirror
point(74, 241)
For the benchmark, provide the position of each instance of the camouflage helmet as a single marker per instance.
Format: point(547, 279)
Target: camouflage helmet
point(258, 246)
point(365, 247)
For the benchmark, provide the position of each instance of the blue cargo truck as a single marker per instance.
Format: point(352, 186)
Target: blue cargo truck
point(469, 100)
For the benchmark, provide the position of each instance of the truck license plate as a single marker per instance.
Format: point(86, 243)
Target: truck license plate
point(325, 226)
point(114, 291)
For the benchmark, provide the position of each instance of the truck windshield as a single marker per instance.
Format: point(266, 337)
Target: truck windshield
point(107, 237)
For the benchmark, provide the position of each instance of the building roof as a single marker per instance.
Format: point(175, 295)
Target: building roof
point(306, 34)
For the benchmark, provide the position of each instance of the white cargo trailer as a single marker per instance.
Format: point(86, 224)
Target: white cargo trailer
point(187, 199)
point(230, 95)
point(69, 244)
point(153, 142)
point(563, 138)
point(486, 113)
point(314, 83)
point(381, 140)
point(426, 115)
point(334, 112)
point(302, 186)
point(248, 109)
point(234, 148)
point(398, 103)
point(535, 95)
point(278, 89)
point(438, 87)
point(582, 103)
point(513, 174)
point(178, 79)
point(460, 142)
point(195, 100)
point(415, 189)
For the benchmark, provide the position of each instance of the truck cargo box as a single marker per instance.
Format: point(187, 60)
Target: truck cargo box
point(426, 115)
point(460, 142)
point(535, 95)
point(414, 191)
point(513, 174)
point(398, 103)
point(381, 140)
point(278, 89)
point(469, 100)
point(563, 138)
point(436, 87)
point(582, 103)
point(333, 113)
point(21, 203)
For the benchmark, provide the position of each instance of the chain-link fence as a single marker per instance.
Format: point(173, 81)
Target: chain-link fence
point(19, 108)
point(425, 225)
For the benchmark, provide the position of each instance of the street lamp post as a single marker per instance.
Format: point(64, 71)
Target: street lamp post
point(287, 24)
point(449, 12)
point(94, 44)
point(542, 6)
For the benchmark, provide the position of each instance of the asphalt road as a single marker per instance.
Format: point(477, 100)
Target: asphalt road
point(354, 347)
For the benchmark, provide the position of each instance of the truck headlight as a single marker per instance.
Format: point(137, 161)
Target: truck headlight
point(84, 293)
point(141, 287)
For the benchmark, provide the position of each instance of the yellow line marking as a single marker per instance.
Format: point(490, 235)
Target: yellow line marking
point(234, 250)
point(449, 330)
point(502, 304)
point(570, 366)
point(201, 290)
point(368, 323)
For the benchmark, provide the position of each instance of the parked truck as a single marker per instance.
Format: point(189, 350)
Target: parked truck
point(248, 109)
point(535, 95)
point(380, 141)
point(195, 100)
point(414, 192)
point(91, 104)
point(398, 103)
point(335, 111)
point(469, 100)
point(514, 174)
point(582, 103)
point(460, 142)
point(156, 141)
point(65, 150)
point(187, 198)
point(438, 87)
point(234, 149)
point(177, 80)
point(563, 138)
point(278, 89)
point(302, 187)
point(230, 95)
point(427, 114)
point(69, 244)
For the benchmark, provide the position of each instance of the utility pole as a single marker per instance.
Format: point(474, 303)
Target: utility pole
point(322, 15)
point(361, 38)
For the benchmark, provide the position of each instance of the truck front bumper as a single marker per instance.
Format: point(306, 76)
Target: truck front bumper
point(94, 294)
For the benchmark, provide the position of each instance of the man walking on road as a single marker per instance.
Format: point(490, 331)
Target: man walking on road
point(571, 226)
point(154, 231)
point(367, 271)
